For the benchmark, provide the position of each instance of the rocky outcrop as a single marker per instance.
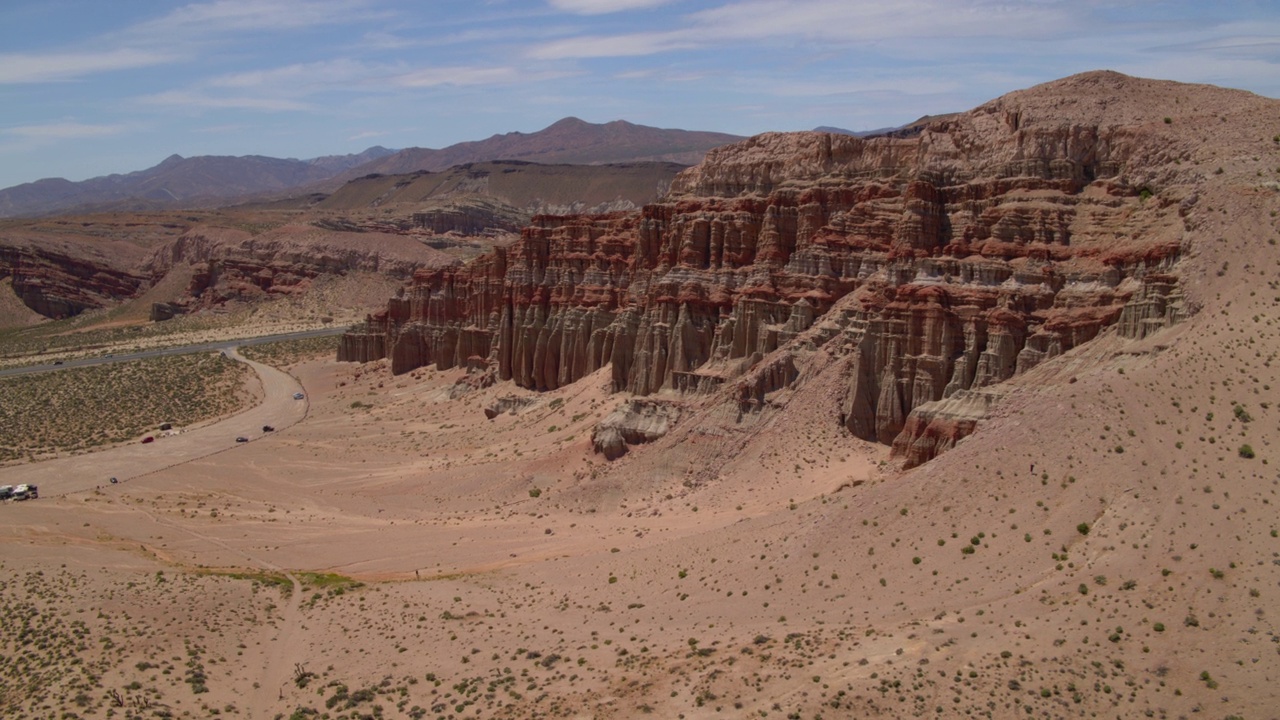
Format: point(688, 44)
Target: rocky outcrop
point(59, 281)
point(935, 427)
point(232, 264)
point(161, 311)
point(935, 264)
point(635, 422)
point(512, 404)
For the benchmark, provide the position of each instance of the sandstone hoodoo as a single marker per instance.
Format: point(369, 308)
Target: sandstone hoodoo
point(934, 264)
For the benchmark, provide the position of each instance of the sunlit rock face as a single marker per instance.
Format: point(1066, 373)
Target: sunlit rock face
point(937, 261)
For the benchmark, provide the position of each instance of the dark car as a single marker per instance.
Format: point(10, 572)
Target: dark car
point(148, 439)
point(298, 396)
point(242, 439)
point(268, 428)
point(57, 362)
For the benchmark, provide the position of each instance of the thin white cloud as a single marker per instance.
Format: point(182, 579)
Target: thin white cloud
point(197, 100)
point(346, 74)
point(631, 45)
point(368, 134)
point(292, 87)
point(457, 76)
point(239, 16)
point(386, 41)
point(838, 22)
point(64, 131)
point(34, 68)
point(817, 88)
point(465, 76)
point(1260, 47)
point(301, 76)
point(219, 129)
point(863, 20)
point(173, 37)
point(602, 7)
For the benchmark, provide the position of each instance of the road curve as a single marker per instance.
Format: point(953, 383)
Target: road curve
point(76, 473)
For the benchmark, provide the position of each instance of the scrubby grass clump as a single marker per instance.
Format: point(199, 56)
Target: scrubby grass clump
point(81, 409)
point(290, 352)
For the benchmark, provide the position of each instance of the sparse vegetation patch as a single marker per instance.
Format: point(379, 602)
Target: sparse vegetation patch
point(290, 352)
point(85, 408)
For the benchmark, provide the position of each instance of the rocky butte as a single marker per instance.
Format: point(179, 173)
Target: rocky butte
point(932, 264)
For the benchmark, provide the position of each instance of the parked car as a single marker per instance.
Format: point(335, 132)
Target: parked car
point(115, 480)
point(268, 428)
point(57, 362)
point(242, 439)
point(6, 492)
point(298, 396)
point(166, 426)
point(26, 492)
point(148, 439)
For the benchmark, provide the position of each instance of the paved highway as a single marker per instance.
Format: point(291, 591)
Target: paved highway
point(180, 350)
point(84, 472)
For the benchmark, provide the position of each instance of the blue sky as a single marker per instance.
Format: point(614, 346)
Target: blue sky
point(89, 88)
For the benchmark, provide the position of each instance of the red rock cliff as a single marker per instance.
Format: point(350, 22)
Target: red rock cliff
point(59, 279)
point(939, 263)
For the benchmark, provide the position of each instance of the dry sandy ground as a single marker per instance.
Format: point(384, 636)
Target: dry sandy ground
point(1122, 558)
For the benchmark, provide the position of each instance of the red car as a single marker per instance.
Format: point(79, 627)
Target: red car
point(148, 439)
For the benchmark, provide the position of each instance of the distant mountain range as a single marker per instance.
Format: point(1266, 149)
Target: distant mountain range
point(207, 181)
point(199, 181)
point(569, 141)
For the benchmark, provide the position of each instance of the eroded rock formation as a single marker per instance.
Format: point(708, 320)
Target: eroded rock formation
point(229, 264)
point(936, 264)
point(508, 404)
point(635, 422)
point(59, 281)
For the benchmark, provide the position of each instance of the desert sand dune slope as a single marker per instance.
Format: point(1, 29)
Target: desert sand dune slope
point(1103, 542)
